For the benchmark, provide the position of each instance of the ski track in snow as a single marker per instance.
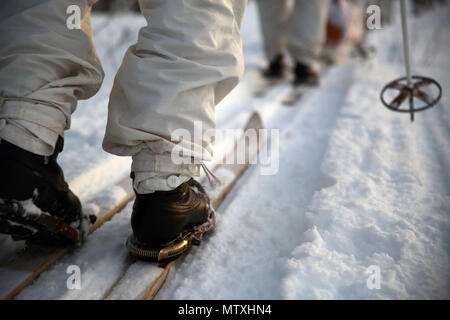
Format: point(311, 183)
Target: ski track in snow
point(389, 207)
point(257, 232)
point(357, 186)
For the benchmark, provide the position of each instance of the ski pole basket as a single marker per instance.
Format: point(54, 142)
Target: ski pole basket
point(422, 93)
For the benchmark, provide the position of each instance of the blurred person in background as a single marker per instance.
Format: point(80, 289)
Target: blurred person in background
point(346, 34)
point(310, 32)
point(298, 28)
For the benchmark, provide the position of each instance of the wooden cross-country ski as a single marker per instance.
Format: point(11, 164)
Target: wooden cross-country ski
point(22, 268)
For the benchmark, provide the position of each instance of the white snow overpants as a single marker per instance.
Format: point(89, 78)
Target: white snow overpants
point(45, 67)
point(185, 61)
point(300, 28)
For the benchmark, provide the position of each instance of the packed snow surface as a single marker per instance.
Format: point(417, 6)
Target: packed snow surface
point(358, 209)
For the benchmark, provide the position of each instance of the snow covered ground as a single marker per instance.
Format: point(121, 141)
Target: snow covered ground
point(358, 186)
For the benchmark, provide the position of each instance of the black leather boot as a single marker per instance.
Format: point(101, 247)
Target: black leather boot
point(305, 75)
point(30, 183)
point(276, 68)
point(170, 221)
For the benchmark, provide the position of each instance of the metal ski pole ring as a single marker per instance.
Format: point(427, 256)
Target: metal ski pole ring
point(406, 92)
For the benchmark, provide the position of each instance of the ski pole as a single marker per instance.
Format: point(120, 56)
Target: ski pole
point(406, 54)
point(405, 41)
point(410, 90)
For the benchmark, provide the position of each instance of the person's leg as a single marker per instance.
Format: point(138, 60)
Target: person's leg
point(45, 67)
point(273, 18)
point(307, 27)
point(186, 60)
point(356, 36)
point(306, 36)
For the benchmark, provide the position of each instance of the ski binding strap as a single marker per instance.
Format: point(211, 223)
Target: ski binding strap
point(15, 213)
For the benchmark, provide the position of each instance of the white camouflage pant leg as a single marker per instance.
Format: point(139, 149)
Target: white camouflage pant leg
point(299, 27)
point(187, 58)
point(274, 17)
point(307, 29)
point(45, 67)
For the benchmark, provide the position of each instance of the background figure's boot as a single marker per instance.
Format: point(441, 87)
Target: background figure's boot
point(36, 203)
point(271, 76)
point(276, 68)
point(166, 223)
point(305, 75)
point(364, 51)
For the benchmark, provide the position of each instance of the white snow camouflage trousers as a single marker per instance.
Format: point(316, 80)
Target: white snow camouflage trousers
point(186, 60)
point(299, 27)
